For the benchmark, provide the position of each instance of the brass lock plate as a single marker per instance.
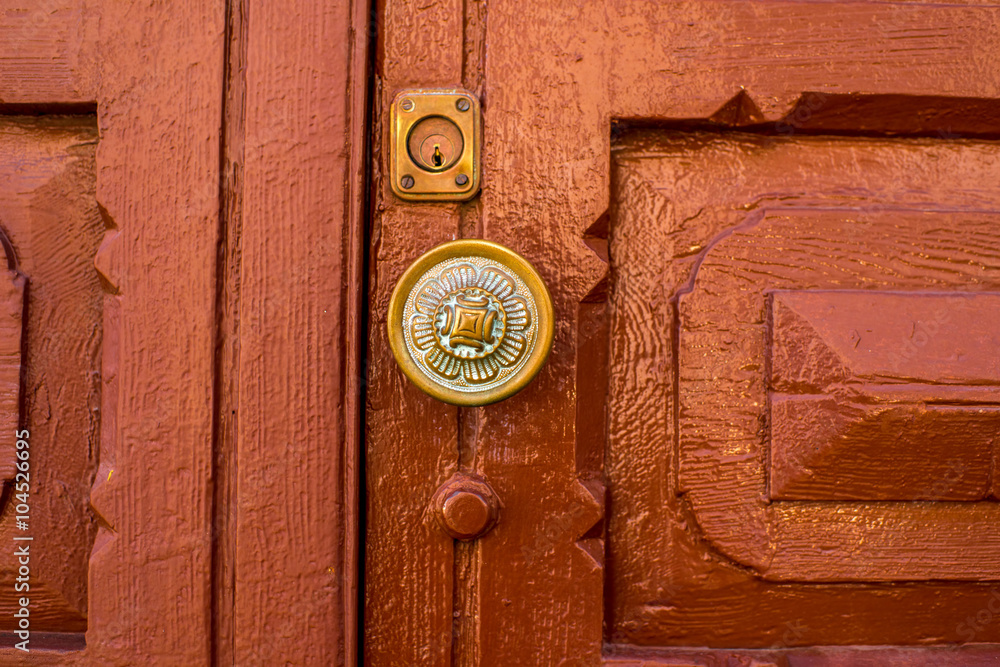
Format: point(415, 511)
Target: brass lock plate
point(436, 137)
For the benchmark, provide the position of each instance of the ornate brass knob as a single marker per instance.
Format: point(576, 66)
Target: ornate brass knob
point(470, 322)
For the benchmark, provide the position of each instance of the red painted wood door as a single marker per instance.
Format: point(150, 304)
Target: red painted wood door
point(768, 430)
point(179, 325)
point(106, 554)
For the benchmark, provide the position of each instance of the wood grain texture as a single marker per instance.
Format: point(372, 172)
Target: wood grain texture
point(158, 162)
point(661, 185)
point(882, 395)
point(721, 393)
point(554, 78)
point(12, 321)
point(50, 219)
point(549, 612)
point(965, 656)
point(300, 235)
point(824, 448)
point(48, 53)
point(227, 343)
point(778, 51)
point(547, 181)
point(156, 76)
point(411, 439)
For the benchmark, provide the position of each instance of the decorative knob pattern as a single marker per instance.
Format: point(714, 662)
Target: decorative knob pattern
point(470, 322)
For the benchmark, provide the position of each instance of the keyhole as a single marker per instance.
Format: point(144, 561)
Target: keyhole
point(435, 144)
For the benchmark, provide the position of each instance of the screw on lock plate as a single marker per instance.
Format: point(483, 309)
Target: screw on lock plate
point(435, 139)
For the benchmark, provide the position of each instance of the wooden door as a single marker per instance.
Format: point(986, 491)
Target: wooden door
point(181, 222)
point(111, 245)
point(769, 427)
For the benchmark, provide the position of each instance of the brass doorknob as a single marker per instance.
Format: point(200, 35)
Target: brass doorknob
point(470, 322)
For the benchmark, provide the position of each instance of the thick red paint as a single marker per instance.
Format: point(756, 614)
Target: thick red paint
point(765, 489)
point(182, 186)
point(737, 207)
point(880, 395)
point(51, 339)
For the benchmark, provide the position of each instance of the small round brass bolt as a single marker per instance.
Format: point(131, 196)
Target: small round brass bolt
point(461, 179)
point(406, 105)
point(406, 182)
point(462, 104)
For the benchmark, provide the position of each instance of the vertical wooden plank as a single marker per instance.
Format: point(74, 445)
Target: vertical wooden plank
point(51, 229)
point(411, 444)
point(300, 237)
point(159, 108)
point(548, 185)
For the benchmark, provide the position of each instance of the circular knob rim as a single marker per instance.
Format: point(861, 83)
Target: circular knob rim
point(489, 251)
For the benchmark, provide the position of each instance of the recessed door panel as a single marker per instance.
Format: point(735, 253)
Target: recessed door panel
point(51, 346)
point(815, 324)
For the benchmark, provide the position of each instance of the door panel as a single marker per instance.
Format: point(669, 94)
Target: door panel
point(51, 296)
point(710, 191)
point(182, 207)
point(110, 200)
point(918, 418)
point(827, 307)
